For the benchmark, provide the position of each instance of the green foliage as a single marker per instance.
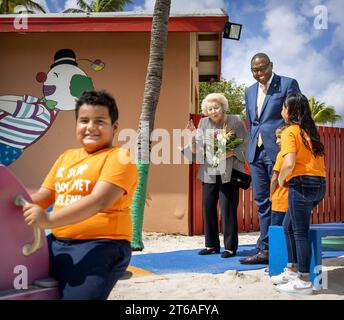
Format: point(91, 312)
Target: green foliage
point(232, 144)
point(8, 6)
point(323, 113)
point(233, 92)
point(99, 6)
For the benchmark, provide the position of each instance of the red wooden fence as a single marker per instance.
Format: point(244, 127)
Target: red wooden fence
point(331, 209)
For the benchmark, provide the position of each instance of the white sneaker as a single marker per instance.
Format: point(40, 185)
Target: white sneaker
point(284, 277)
point(296, 286)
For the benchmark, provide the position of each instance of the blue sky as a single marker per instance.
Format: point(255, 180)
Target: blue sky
point(292, 32)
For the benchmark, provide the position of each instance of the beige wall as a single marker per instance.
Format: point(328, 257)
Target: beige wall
point(126, 58)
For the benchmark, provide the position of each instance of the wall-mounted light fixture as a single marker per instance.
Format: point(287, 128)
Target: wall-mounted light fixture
point(232, 31)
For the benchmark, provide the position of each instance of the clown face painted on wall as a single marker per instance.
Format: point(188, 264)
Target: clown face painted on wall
point(65, 82)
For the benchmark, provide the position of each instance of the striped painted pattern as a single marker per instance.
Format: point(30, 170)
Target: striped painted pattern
point(29, 121)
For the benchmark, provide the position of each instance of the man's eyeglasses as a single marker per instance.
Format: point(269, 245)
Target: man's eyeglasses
point(261, 69)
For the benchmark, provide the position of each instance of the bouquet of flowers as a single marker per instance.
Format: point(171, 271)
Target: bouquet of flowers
point(219, 143)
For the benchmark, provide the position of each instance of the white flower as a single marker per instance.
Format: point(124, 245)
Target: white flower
point(215, 161)
point(221, 138)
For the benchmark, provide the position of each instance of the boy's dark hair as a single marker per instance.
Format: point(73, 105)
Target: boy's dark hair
point(98, 98)
point(299, 112)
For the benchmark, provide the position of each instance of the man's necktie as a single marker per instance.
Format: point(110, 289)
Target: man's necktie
point(259, 110)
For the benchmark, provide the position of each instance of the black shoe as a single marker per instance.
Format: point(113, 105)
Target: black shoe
point(261, 257)
point(127, 275)
point(228, 254)
point(206, 251)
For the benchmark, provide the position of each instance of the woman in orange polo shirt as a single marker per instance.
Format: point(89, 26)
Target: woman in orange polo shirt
point(303, 170)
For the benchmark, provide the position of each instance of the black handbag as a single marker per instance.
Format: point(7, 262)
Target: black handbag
point(240, 179)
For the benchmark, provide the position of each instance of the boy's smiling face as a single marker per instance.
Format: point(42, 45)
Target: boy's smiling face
point(94, 129)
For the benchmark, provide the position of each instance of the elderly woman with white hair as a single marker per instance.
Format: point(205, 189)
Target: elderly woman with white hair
point(216, 182)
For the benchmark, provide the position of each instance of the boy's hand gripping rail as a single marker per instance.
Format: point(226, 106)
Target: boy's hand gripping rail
point(37, 235)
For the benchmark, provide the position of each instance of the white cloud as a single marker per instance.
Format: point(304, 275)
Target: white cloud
point(288, 45)
point(70, 4)
point(177, 5)
point(335, 11)
point(283, 27)
point(334, 95)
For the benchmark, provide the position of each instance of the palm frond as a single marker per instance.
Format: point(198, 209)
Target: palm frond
point(35, 6)
point(73, 10)
point(100, 6)
point(327, 115)
point(30, 6)
point(322, 113)
point(112, 5)
point(85, 6)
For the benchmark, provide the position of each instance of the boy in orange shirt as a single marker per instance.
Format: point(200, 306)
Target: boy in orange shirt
point(278, 195)
point(92, 188)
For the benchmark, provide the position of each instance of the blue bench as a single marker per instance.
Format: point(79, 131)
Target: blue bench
point(278, 251)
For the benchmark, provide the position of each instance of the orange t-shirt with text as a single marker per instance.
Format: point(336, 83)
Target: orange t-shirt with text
point(74, 176)
point(306, 163)
point(280, 196)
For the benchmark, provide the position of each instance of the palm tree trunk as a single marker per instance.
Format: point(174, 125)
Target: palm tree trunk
point(150, 100)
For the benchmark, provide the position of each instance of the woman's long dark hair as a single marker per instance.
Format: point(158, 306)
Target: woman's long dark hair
point(299, 112)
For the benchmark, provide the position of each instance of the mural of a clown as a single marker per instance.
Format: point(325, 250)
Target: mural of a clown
point(24, 119)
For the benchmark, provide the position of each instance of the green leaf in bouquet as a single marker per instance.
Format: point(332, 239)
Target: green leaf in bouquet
point(232, 144)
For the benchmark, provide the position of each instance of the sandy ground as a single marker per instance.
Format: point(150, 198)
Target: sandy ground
point(231, 285)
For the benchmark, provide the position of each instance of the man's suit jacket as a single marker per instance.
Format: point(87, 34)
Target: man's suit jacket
point(270, 118)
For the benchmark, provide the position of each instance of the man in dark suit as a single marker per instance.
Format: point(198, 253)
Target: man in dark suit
point(264, 101)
